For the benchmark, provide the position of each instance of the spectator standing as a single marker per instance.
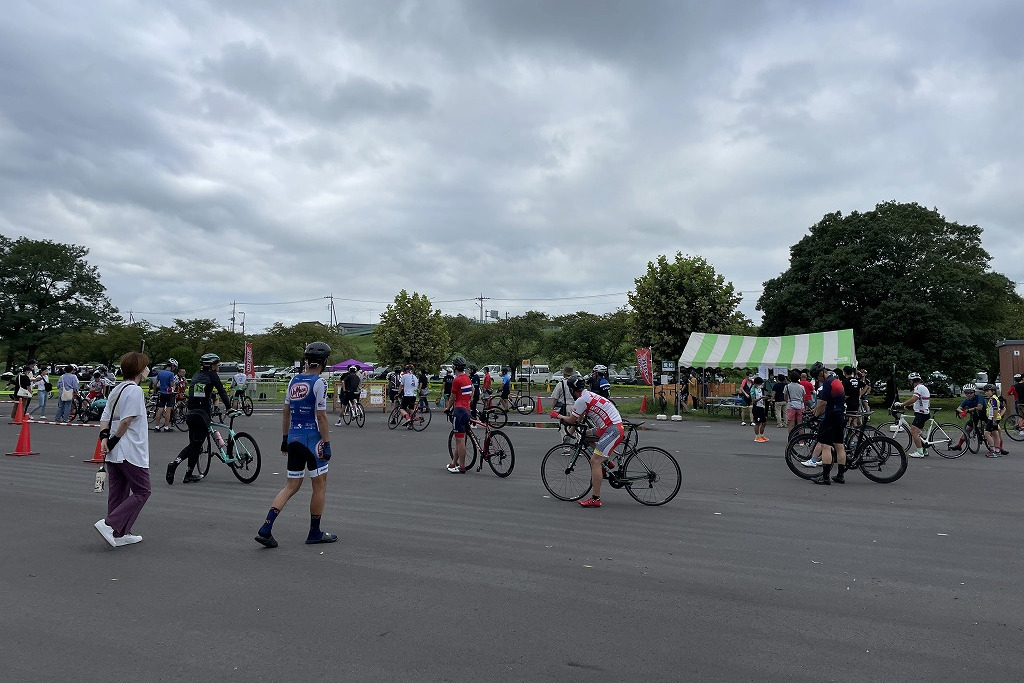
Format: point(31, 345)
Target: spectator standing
point(486, 386)
point(506, 386)
point(851, 385)
point(43, 388)
point(561, 397)
point(865, 389)
point(745, 404)
point(67, 390)
point(809, 398)
point(447, 378)
point(796, 399)
point(758, 413)
point(23, 389)
point(124, 443)
point(424, 389)
point(475, 380)
point(779, 395)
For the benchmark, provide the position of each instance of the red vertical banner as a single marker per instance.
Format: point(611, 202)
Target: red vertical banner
point(250, 369)
point(643, 363)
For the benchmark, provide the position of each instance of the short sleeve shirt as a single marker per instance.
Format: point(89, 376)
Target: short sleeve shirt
point(922, 399)
point(756, 396)
point(127, 400)
point(409, 384)
point(307, 395)
point(601, 411)
point(462, 390)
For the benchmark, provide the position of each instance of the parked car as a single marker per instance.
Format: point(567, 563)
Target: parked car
point(941, 386)
point(627, 375)
point(379, 372)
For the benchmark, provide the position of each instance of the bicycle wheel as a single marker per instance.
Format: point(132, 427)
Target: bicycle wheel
point(394, 418)
point(178, 413)
point(246, 460)
point(496, 417)
point(346, 415)
point(799, 449)
point(470, 449)
point(499, 454)
point(205, 456)
point(524, 405)
point(151, 411)
point(360, 416)
point(651, 476)
point(901, 437)
point(565, 471)
point(948, 440)
point(883, 459)
point(422, 419)
point(246, 406)
point(1013, 425)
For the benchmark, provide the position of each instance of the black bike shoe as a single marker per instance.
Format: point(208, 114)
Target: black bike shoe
point(191, 478)
point(822, 479)
point(266, 541)
point(171, 466)
point(839, 479)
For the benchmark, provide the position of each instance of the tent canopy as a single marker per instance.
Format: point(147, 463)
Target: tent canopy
point(704, 350)
point(344, 365)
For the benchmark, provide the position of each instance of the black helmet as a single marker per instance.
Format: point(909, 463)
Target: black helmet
point(504, 368)
point(209, 359)
point(817, 369)
point(317, 353)
point(473, 369)
point(459, 363)
point(576, 383)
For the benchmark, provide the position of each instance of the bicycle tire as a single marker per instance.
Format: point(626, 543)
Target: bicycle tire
point(178, 413)
point(974, 439)
point(499, 453)
point(901, 437)
point(566, 476)
point(469, 442)
point(951, 438)
point(205, 456)
point(394, 418)
point(246, 406)
point(1013, 425)
point(246, 460)
point(799, 448)
point(346, 415)
point(662, 476)
point(880, 452)
point(524, 405)
point(360, 416)
point(421, 421)
point(496, 418)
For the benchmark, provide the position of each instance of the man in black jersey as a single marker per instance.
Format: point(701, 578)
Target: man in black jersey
point(200, 398)
point(851, 385)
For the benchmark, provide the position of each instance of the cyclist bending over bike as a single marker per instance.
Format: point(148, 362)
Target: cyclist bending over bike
point(204, 384)
point(607, 435)
point(458, 404)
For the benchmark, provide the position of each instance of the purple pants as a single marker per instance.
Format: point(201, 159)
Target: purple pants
point(128, 490)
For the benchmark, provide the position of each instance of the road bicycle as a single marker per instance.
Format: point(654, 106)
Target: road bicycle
point(418, 419)
point(493, 414)
point(496, 448)
point(880, 458)
point(947, 439)
point(238, 450)
point(354, 412)
point(521, 403)
point(244, 404)
point(626, 447)
point(1013, 425)
point(649, 474)
point(178, 412)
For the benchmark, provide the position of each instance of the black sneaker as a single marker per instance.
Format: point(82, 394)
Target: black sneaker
point(266, 541)
point(822, 479)
point(839, 479)
point(192, 478)
point(171, 466)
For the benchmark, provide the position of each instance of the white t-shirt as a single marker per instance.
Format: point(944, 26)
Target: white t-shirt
point(409, 384)
point(239, 380)
point(923, 397)
point(134, 445)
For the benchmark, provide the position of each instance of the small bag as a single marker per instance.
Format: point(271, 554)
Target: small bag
point(67, 394)
point(47, 387)
point(24, 393)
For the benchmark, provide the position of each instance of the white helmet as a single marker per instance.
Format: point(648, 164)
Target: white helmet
point(600, 368)
point(914, 375)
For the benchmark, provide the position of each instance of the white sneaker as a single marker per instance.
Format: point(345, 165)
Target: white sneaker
point(811, 463)
point(338, 423)
point(917, 454)
point(106, 532)
point(743, 424)
point(127, 539)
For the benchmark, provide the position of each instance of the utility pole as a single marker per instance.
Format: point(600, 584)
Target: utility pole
point(242, 313)
point(333, 323)
point(481, 299)
point(232, 316)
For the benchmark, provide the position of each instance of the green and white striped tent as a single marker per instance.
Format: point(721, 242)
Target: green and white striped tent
point(704, 350)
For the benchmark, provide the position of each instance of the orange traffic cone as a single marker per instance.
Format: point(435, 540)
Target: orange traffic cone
point(540, 408)
point(24, 446)
point(19, 413)
point(97, 455)
point(643, 404)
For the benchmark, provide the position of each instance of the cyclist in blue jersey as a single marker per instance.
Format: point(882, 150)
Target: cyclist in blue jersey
point(205, 384)
point(165, 397)
point(506, 386)
point(307, 444)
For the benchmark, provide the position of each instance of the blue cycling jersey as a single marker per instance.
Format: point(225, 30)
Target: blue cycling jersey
point(306, 395)
point(165, 381)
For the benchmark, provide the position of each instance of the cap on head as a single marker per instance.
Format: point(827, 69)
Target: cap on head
point(568, 370)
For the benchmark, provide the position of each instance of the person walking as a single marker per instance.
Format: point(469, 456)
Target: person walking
point(124, 443)
point(307, 443)
point(43, 388)
point(205, 384)
point(23, 389)
point(67, 390)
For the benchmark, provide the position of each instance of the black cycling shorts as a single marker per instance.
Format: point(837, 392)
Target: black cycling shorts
point(408, 402)
point(830, 431)
point(919, 420)
point(165, 401)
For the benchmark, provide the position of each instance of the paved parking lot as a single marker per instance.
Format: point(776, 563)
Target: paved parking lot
point(749, 574)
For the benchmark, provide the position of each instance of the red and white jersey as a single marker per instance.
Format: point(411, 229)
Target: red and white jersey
point(601, 411)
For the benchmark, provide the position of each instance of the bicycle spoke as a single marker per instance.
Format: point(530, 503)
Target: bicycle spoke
point(652, 476)
point(565, 472)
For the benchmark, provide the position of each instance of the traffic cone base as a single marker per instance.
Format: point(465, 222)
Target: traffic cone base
point(97, 456)
point(24, 446)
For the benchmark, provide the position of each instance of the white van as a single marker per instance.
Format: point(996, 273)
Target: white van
point(493, 370)
point(538, 374)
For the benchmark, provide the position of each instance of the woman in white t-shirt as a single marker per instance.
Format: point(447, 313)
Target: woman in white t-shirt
point(124, 442)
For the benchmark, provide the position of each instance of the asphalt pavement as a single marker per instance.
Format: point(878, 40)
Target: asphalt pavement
point(748, 574)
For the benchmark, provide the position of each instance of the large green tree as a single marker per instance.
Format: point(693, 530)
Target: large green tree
point(283, 345)
point(674, 299)
point(517, 338)
point(47, 288)
point(587, 339)
point(411, 331)
point(916, 289)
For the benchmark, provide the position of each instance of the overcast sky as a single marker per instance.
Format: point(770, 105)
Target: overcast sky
point(268, 152)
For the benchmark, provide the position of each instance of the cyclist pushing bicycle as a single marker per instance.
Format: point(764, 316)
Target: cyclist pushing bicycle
point(607, 434)
point(205, 384)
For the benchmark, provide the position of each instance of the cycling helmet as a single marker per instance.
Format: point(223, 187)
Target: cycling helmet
point(171, 361)
point(504, 368)
point(914, 375)
point(601, 368)
point(817, 369)
point(990, 387)
point(1016, 378)
point(459, 363)
point(576, 384)
point(209, 359)
point(317, 353)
